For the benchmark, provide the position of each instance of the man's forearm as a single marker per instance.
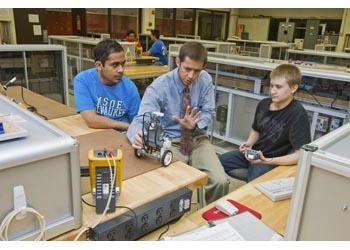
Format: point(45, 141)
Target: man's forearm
point(134, 128)
point(101, 122)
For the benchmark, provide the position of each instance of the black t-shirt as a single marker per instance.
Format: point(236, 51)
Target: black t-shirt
point(281, 131)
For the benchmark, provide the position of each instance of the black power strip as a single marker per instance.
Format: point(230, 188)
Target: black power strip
point(148, 218)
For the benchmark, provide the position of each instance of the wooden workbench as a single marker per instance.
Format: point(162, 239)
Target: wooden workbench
point(73, 125)
point(152, 183)
point(274, 214)
point(44, 105)
point(145, 71)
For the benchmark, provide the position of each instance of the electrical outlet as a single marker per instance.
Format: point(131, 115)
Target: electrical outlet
point(149, 217)
point(112, 235)
point(129, 231)
point(173, 207)
point(159, 214)
point(335, 123)
point(322, 123)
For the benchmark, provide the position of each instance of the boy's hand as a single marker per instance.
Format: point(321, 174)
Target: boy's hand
point(244, 147)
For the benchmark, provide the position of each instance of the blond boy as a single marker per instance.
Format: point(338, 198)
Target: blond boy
point(279, 129)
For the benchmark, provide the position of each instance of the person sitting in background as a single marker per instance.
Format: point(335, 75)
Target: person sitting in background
point(186, 97)
point(280, 128)
point(131, 37)
point(103, 96)
point(157, 49)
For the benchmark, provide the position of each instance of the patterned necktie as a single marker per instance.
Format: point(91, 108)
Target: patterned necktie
point(186, 134)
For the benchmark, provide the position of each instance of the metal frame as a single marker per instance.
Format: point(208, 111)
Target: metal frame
point(218, 46)
point(320, 54)
point(318, 159)
point(50, 47)
point(44, 147)
point(257, 45)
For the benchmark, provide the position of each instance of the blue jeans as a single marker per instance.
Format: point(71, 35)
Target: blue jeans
point(158, 63)
point(237, 166)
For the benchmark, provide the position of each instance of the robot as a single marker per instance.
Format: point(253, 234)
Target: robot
point(155, 144)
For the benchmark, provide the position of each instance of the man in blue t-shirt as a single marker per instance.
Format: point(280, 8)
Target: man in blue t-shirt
point(158, 48)
point(103, 96)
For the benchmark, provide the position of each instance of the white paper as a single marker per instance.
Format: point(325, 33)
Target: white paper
point(11, 118)
point(33, 18)
point(37, 30)
point(221, 232)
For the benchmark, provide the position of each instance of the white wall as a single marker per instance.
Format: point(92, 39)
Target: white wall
point(258, 28)
point(344, 29)
point(232, 25)
point(327, 13)
point(148, 20)
point(7, 15)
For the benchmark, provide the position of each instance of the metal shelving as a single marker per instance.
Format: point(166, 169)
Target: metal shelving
point(40, 68)
point(241, 82)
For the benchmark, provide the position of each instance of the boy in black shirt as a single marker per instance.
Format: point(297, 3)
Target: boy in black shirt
point(279, 129)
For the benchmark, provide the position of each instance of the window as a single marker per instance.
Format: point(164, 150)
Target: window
point(212, 25)
point(122, 21)
point(165, 21)
point(184, 22)
point(97, 21)
point(59, 21)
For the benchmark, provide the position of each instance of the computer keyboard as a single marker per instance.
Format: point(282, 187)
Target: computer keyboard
point(278, 189)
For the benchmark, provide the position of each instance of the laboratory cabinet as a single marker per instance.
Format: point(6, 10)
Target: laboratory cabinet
point(256, 48)
point(40, 68)
point(320, 205)
point(314, 56)
point(44, 161)
point(213, 46)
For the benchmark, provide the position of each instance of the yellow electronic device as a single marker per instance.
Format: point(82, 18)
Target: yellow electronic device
point(100, 177)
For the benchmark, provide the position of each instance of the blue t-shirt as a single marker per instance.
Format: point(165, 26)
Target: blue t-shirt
point(158, 49)
point(118, 102)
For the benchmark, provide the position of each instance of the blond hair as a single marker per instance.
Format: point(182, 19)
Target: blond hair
point(290, 72)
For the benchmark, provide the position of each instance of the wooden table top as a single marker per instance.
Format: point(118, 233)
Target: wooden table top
point(73, 125)
point(143, 71)
point(44, 105)
point(274, 214)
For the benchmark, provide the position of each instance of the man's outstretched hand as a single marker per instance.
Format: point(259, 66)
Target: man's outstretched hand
point(190, 119)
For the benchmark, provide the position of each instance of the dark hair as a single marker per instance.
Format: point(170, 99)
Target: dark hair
point(130, 32)
point(195, 51)
point(155, 33)
point(104, 48)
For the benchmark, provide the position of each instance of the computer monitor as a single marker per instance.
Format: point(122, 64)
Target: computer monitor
point(320, 205)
